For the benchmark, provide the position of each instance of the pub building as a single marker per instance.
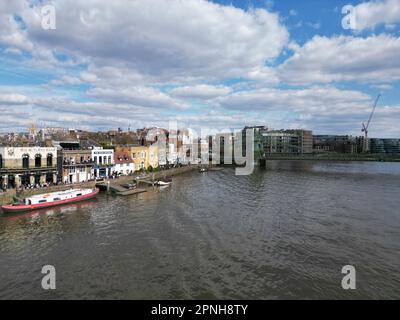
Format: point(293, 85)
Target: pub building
point(21, 166)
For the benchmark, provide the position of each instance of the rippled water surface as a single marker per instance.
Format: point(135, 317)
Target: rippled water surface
point(284, 232)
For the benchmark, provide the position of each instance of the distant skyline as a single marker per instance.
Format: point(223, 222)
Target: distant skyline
point(209, 64)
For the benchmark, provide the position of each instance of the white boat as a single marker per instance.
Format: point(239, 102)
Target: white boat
point(163, 183)
point(51, 199)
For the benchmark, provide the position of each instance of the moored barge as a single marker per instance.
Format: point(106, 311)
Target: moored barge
point(52, 199)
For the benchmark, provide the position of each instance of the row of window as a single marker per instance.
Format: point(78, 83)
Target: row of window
point(73, 160)
point(141, 155)
point(81, 169)
point(102, 159)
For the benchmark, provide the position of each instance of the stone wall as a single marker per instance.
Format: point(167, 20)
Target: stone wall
point(7, 197)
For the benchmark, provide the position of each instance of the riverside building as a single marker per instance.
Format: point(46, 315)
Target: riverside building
point(77, 166)
point(27, 165)
point(103, 162)
point(288, 142)
point(337, 144)
point(75, 161)
point(123, 161)
point(388, 146)
point(145, 157)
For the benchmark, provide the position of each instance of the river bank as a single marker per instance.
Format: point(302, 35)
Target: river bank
point(8, 196)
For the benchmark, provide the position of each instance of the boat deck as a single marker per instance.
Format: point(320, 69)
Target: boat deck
point(56, 193)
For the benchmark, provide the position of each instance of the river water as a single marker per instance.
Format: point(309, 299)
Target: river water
point(280, 233)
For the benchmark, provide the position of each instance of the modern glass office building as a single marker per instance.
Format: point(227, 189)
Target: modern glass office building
point(384, 145)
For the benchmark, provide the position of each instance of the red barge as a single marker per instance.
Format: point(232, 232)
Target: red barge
point(52, 199)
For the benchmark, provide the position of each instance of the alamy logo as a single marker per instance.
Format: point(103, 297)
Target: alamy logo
point(48, 17)
point(349, 280)
point(349, 21)
point(49, 280)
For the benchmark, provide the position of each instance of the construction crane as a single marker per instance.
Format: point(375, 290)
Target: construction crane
point(365, 126)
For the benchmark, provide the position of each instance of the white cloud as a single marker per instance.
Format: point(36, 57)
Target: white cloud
point(67, 80)
point(200, 91)
point(137, 96)
point(191, 38)
point(343, 58)
point(372, 13)
point(12, 99)
point(383, 86)
point(314, 100)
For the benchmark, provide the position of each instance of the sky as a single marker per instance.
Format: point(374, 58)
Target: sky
point(208, 65)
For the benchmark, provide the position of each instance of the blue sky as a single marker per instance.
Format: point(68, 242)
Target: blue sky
point(207, 65)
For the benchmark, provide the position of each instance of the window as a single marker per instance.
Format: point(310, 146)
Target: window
point(1, 161)
point(105, 159)
point(42, 201)
point(49, 160)
point(25, 161)
point(38, 161)
point(95, 159)
point(100, 160)
point(109, 159)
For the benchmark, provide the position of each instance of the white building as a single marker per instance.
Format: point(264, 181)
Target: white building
point(124, 168)
point(123, 161)
point(103, 162)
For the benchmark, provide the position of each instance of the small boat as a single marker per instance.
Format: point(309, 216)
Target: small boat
point(51, 199)
point(164, 182)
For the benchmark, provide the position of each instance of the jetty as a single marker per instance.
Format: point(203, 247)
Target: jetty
point(119, 189)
